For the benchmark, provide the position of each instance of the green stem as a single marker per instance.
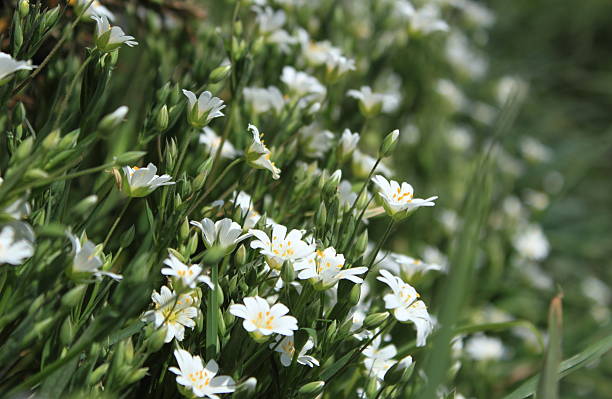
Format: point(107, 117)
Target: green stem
point(211, 315)
point(379, 246)
point(116, 223)
point(64, 103)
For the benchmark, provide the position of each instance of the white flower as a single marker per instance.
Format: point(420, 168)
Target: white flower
point(209, 138)
point(287, 350)
point(258, 155)
point(203, 381)
point(347, 144)
point(534, 151)
point(406, 306)
point(9, 65)
point(282, 247)
point(95, 8)
point(363, 163)
point(337, 65)
point(268, 20)
point(303, 85)
point(87, 259)
point(109, 38)
point(264, 99)
point(398, 200)
point(531, 243)
point(346, 194)
point(140, 182)
point(370, 103)
point(223, 234)
point(189, 276)
point(261, 320)
point(379, 360)
point(424, 20)
point(411, 267)
point(14, 250)
point(203, 109)
point(325, 268)
point(315, 142)
point(482, 348)
point(173, 311)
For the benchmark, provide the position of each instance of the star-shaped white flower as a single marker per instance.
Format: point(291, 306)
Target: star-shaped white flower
point(212, 141)
point(223, 234)
point(282, 246)
point(264, 99)
point(203, 109)
point(347, 144)
point(173, 311)
point(406, 306)
point(325, 268)
point(287, 350)
point(397, 200)
point(87, 258)
point(258, 155)
point(13, 250)
point(370, 103)
point(140, 182)
point(261, 320)
point(9, 65)
point(203, 381)
point(379, 360)
point(410, 267)
point(109, 38)
point(188, 275)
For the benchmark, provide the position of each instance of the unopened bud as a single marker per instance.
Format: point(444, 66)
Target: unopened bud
point(400, 371)
point(95, 376)
point(162, 119)
point(374, 320)
point(127, 237)
point(74, 296)
point(157, 339)
point(241, 255)
point(311, 389)
point(129, 158)
point(388, 144)
point(24, 8)
point(67, 332)
point(287, 272)
point(220, 73)
point(112, 120)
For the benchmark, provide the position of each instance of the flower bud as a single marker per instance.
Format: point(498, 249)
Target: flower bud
point(127, 237)
point(50, 18)
point(137, 375)
point(220, 73)
point(311, 389)
point(362, 242)
point(157, 339)
point(241, 255)
point(24, 8)
point(85, 205)
point(355, 294)
point(24, 149)
point(162, 119)
point(331, 331)
point(112, 120)
point(95, 376)
point(184, 230)
point(321, 216)
point(400, 371)
point(67, 332)
point(128, 158)
point(374, 320)
point(287, 272)
point(388, 144)
point(19, 113)
point(74, 296)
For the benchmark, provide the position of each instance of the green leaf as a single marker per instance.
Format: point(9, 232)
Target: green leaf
point(337, 365)
point(576, 362)
point(548, 387)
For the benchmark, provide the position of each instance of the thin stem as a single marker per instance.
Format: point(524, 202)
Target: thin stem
point(64, 102)
point(211, 315)
point(116, 223)
point(379, 246)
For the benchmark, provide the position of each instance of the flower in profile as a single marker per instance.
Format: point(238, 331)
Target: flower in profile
point(202, 381)
point(140, 182)
point(531, 243)
point(337, 65)
point(258, 155)
point(87, 258)
point(424, 20)
point(302, 85)
point(9, 65)
point(406, 306)
point(411, 268)
point(187, 275)
point(202, 109)
point(95, 8)
point(379, 360)
point(268, 20)
point(347, 144)
point(212, 141)
point(398, 200)
point(221, 236)
point(282, 246)
point(370, 103)
point(110, 38)
point(264, 99)
point(325, 268)
point(286, 349)
point(14, 250)
point(315, 142)
point(261, 320)
point(173, 311)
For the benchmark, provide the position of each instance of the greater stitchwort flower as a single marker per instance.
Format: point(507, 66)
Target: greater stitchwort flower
point(370, 103)
point(212, 141)
point(9, 65)
point(13, 250)
point(258, 155)
point(286, 348)
point(281, 246)
point(325, 268)
point(87, 259)
point(398, 200)
point(221, 236)
point(173, 311)
point(140, 182)
point(110, 38)
point(261, 320)
point(202, 109)
point(406, 306)
point(187, 275)
point(203, 381)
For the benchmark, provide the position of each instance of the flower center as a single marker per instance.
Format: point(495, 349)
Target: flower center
point(264, 320)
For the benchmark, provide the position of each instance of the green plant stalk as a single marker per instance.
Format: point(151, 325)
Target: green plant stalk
point(211, 315)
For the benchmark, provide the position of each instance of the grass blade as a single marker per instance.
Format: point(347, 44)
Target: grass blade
point(548, 387)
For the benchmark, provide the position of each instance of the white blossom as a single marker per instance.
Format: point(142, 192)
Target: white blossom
point(261, 320)
point(202, 380)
